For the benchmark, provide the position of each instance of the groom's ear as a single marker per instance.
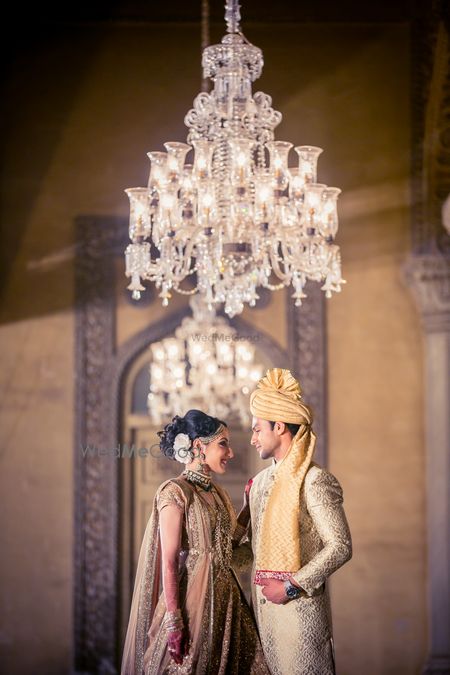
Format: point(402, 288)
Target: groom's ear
point(279, 428)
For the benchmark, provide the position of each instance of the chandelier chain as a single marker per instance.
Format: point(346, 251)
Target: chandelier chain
point(205, 37)
point(232, 16)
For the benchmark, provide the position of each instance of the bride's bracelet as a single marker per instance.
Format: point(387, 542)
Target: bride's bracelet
point(239, 532)
point(174, 621)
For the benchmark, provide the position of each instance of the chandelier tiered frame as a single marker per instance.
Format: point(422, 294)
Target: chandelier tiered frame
point(238, 217)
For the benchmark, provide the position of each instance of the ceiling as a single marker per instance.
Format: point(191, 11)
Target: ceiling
point(253, 11)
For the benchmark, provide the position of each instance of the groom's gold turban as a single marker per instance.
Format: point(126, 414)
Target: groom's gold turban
point(278, 398)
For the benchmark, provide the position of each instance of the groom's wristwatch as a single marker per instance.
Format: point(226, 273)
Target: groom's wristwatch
point(293, 592)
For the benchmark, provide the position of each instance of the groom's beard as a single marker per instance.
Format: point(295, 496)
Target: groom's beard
point(266, 454)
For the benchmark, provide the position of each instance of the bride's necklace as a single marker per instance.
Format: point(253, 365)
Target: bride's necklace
point(198, 478)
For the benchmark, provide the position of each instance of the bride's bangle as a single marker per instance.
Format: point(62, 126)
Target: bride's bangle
point(174, 621)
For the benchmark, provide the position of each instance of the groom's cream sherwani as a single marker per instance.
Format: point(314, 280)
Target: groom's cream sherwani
point(297, 636)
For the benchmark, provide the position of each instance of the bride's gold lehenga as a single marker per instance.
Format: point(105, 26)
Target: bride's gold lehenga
point(221, 630)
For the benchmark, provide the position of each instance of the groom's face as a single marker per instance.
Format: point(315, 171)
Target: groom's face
point(264, 438)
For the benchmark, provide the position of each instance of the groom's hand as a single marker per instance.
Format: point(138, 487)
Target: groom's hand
point(274, 591)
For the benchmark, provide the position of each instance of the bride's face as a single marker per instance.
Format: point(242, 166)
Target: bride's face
point(219, 452)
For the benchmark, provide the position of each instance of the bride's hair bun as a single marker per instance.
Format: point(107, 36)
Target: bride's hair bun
point(168, 434)
point(195, 423)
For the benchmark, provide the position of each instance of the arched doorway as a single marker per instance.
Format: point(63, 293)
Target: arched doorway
point(103, 368)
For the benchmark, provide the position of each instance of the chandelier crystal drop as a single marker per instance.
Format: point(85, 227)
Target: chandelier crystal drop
point(206, 365)
point(237, 217)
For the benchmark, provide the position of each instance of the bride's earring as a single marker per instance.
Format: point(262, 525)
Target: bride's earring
point(201, 461)
point(199, 474)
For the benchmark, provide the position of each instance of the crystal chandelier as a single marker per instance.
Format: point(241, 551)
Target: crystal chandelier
point(207, 366)
point(238, 217)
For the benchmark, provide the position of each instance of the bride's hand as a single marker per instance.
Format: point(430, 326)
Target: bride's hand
point(178, 645)
point(244, 513)
point(246, 503)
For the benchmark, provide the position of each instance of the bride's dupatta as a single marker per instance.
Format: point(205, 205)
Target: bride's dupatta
point(145, 597)
point(146, 593)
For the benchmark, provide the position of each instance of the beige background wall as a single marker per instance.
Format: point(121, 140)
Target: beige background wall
point(84, 106)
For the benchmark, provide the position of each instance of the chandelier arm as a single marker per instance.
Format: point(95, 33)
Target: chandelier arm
point(183, 271)
point(151, 271)
point(287, 255)
point(274, 287)
point(181, 291)
point(283, 276)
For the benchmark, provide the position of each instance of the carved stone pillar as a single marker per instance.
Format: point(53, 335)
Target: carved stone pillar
point(429, 278)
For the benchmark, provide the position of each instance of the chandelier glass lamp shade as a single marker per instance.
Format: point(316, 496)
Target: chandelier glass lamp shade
point(205, 365)
point(236, 216)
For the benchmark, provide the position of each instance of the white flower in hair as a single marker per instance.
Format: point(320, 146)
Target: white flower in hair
point(182, 449)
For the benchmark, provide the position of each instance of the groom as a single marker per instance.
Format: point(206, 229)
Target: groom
point(297, 532)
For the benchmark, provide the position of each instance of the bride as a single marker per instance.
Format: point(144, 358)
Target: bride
point(201, 622)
